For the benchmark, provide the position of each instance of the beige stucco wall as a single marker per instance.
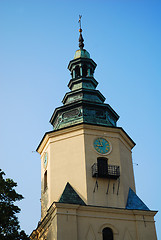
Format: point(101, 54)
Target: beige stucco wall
point(66, 163)
point(70, 157)
point(119, 156)
point(73, 222)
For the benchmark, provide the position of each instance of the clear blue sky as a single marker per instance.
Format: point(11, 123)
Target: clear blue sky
point(37, 41)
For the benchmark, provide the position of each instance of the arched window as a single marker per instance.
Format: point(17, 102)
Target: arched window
point(77, 71)
point(91, 71)
point(107, 234)
point(84, 71)
point(45, 180)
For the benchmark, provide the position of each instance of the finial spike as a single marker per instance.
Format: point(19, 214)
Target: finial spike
point(81, 40)
point(80, 16)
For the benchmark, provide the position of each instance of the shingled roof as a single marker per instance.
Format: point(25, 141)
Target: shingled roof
point(134, 202)
point(70, 196)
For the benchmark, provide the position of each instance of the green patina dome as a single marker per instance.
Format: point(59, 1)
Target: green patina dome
point(81, 53)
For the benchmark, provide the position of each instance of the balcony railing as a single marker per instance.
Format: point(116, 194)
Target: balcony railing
point(110, 171)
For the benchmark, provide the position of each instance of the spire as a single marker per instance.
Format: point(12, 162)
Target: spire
point(83, 103)
point(81, 40)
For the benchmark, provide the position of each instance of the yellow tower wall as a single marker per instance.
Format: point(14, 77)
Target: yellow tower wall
point(70, 157)
point(110, 192)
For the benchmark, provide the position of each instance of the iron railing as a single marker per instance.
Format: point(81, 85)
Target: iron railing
point(111, 171)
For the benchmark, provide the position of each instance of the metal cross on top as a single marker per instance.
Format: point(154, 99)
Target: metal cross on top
point(80, 16)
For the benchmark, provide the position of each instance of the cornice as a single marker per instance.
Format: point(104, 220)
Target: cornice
point(84, 126)
point(91, 212)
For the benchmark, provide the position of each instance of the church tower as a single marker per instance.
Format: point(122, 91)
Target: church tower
point(87, 180)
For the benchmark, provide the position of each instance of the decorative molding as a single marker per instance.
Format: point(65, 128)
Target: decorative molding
point(127, 235)
point(115, 231)
point(90, 234)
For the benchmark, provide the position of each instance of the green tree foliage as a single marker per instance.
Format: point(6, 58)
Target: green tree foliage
point(9, 224)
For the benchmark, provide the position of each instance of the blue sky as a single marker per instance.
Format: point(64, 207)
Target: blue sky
point(38, 39)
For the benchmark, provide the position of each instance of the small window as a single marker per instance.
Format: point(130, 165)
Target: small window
point(107, 234)
point(45, 180)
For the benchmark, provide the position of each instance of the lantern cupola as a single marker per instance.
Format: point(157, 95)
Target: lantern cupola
point(84, 103)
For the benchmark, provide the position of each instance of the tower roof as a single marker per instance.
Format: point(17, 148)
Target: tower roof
point(134, 202)
point(83, 103)
point(81, 53)
point(69, 195)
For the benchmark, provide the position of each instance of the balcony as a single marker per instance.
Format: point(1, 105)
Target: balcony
point(108, 171)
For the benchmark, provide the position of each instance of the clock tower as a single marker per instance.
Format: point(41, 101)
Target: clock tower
point(87, 181)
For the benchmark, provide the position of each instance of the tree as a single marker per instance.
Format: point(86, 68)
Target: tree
point(9, 224)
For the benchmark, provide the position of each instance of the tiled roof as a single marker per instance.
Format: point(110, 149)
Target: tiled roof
point(69, 195)
point(134, 202)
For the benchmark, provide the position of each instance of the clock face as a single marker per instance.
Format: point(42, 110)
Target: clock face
point(45, 159)
point(102, 146)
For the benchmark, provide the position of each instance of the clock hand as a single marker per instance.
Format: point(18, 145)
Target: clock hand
point(100, 144)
